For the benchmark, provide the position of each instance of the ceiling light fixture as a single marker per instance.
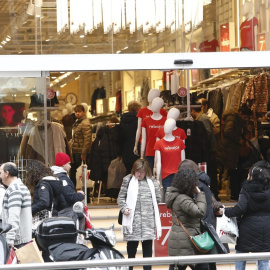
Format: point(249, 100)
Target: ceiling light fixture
point(148, 15)
point(30, 9)
point(38, 3)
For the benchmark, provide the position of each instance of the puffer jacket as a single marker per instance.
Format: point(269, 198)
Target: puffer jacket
point(48, 191)
point(189, 212)
point(143, 227)
point(82, 136)
point(253, 209)
point(68, 189)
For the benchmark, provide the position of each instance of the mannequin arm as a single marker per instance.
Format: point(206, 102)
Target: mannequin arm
point(143, 142)
point(183, 155)
point(158, 165)
point(138, 134)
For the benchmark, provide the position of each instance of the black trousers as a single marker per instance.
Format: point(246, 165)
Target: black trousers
point(147, 248)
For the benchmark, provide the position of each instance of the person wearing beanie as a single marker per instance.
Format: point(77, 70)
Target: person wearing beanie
point(61, 170)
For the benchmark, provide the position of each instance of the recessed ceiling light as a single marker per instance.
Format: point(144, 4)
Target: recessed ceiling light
point(53, 77)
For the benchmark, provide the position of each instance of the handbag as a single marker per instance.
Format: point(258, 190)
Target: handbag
point(201, 242)
point(29, 253)
point(221, 249)
point(120, 217)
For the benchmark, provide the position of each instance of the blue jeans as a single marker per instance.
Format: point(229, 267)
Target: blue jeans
point(167, 182)
point(241, 265)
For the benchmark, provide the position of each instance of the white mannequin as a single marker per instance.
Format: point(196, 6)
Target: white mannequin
point(153, 93)
point(247, 11)
point(169, 126)
point(156, 105)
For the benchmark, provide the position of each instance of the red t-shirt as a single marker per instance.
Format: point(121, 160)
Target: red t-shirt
point(247, 33)
point(178, 133)
point(151, 127)
point(145, 112)
point(208, 46)
point(170, 155)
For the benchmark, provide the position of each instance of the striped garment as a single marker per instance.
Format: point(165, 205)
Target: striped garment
point(17, 212)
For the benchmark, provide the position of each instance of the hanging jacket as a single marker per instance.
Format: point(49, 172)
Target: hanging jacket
point(68, 189)
point(101, 155)
point(48, 192)
point(128, 129)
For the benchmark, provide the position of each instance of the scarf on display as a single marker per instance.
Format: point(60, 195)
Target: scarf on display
point(131, 200)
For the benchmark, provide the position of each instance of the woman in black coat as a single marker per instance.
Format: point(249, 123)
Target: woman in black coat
point(128, 128)
point(253, 209)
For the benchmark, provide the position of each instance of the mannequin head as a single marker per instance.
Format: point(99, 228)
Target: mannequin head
point(153, 93)
point(169, 125)
point(118, 85)
point(173, 113)
point(247, 9)
point(69, 108)
point(157, 104)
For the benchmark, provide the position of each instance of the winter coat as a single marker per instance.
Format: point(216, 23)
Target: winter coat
point(196, 143)
point(229, 148)
point(101, 155)
point(128, 129)
point(68, 189)
point(82, 136)
point(143, 227)
point(204, 185)
point(48, 191)
point(214, 120)
point(189, 212)
point(263, 164)
point(253, 209)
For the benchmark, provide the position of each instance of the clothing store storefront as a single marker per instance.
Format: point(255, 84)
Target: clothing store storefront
point(43, 54)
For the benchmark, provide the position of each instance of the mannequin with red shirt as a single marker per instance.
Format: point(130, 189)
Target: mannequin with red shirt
point(144, 113)
point(150, 125)
point(248, 28)
point(169, 152)
point(209, 43)
point(173, 113)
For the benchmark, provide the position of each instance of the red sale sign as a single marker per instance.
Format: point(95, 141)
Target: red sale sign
point(161, 245)
point(224, 38)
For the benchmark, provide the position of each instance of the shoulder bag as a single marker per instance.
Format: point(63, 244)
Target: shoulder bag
point(201, 242)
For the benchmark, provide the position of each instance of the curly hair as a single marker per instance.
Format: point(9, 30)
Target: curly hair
point(185, 181)
point(35, 171)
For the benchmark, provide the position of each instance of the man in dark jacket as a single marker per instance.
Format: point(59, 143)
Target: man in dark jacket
point(61, 169)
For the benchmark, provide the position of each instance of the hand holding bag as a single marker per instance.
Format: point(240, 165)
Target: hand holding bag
point(201, 242)
point(227, 229)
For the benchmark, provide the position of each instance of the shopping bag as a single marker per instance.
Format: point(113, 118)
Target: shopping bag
point(227, 229)
point(29, 253)
point(80, 177)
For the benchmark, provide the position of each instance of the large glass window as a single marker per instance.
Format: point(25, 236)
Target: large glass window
point(134, 26)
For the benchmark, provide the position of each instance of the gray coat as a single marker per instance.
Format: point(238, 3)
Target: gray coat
point(143, 227)
point(189, 212)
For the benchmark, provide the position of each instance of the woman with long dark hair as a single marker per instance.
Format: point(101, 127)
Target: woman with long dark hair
point(45, 187)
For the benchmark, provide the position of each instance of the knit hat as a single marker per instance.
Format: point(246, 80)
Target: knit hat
point(61, 159)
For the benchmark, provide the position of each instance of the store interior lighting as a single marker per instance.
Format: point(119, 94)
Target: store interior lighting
point(30, 9)
point(134, 14)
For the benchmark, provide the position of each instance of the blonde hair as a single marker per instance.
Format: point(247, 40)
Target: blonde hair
point(141, 164)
